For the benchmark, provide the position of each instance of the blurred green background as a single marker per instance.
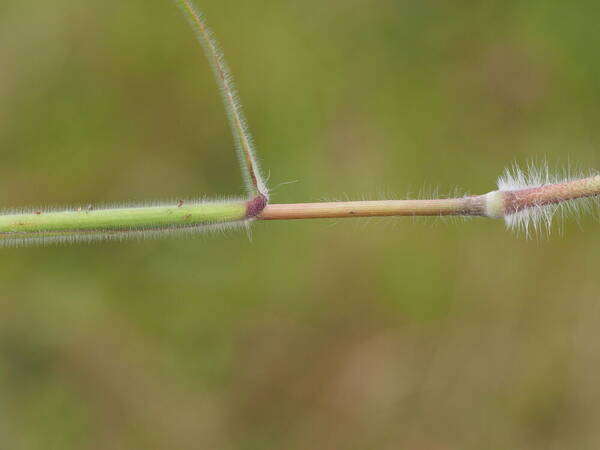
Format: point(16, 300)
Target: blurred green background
point(378, 334)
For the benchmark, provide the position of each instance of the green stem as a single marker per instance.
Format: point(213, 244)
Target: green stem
point(239, 127)
point(89, 222)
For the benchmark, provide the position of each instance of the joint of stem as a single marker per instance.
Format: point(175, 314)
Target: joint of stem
point(256, 205)
point(494, 205)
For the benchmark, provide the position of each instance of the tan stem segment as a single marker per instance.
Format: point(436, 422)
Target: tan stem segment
point(496, 204)
point(467, 206)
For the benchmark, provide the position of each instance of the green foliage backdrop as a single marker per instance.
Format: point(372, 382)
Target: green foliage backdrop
point(350, 334)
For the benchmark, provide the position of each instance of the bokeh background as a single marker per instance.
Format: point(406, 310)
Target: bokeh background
point(378, 334)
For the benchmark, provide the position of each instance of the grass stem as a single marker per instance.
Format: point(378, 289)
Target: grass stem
point(467, 206)
point(87, 223)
